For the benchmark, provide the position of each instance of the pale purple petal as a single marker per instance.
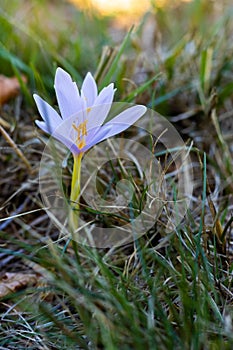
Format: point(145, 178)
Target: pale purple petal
point(106, 95)
point(97, 115)
point(90, 109)
point(115, 129)
point(95, 136)
point(70, 144)
point(129, 116)
point(43, 126)
point(69, 100)
point(66, 127)
point(50, 116)
point(89, 89)
point(123, 121)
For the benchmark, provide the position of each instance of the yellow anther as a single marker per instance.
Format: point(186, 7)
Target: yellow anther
point(81, 144)
point(81, 130)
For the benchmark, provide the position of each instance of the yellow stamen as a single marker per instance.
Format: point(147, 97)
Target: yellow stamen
point(81, 144)
point(81, 131)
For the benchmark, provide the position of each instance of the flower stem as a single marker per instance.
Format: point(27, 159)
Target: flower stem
point(75, 192)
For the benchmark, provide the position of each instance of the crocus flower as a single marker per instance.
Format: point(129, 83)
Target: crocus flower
point(80, 124)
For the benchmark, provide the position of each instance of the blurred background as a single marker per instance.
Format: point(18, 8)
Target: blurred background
point(180, 40)
point(36, 34)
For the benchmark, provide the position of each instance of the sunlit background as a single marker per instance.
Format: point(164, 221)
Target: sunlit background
point(132, 6)
point(123, 7)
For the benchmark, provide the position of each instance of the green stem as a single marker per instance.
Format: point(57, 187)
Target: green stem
point(75, 192)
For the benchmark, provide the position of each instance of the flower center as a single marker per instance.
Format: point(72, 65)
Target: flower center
point(81, 130)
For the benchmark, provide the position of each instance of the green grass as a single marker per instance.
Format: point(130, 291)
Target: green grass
point(166, 290)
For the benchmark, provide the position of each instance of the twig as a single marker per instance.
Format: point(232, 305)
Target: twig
point(15, 147)
point(4, 123)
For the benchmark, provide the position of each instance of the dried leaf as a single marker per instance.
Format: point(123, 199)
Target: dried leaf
point(9, 88)
point(12, 282)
